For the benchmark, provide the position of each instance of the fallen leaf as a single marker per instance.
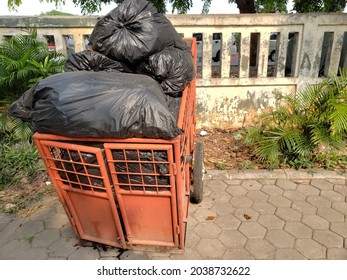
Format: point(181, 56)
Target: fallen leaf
point(210, 218)
point(247, 217)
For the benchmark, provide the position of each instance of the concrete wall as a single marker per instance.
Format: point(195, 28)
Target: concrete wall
point(232, 96)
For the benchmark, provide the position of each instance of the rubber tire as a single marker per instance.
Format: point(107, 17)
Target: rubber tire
point(196, 189)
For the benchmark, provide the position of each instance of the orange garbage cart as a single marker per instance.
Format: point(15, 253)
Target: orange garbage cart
point(129, 192)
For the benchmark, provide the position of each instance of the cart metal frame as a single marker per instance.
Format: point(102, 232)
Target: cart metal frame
point(129, 192)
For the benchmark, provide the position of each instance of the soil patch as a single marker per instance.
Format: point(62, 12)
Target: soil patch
point(225, 149)
point(27, 195)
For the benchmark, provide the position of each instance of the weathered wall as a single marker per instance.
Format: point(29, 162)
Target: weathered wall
point(232, 97)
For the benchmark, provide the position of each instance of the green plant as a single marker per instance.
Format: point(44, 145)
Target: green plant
point(245, 164)
point(302, 126)
point(220, 165)
point(30, 238)
point(17, 160)
point(23, 60)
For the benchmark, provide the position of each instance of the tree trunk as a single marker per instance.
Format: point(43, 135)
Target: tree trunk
point(248, 7)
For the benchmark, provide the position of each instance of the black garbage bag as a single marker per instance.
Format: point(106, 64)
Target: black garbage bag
point(90, 60)
point(144, 168)
point(79, 169)
point(97, 104)
point(133, 31)
point(172, 68)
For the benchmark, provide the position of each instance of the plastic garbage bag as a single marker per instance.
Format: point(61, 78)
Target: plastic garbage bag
point(90, 60)
point(97, 104)
point(172, 68)
point(133, 31)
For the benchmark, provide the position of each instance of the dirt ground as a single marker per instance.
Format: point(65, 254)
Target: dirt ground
point(224, 149)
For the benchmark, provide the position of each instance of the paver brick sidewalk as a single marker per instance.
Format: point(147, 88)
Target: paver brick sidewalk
point(254, 214)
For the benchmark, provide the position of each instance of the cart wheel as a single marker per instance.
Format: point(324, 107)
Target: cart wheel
point(196, 191)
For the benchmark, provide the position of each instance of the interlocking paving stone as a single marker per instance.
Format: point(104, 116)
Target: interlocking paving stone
point(63, 247)
point(56, 221)
point(251, 185)
point(207, 190)
point(211, 248)
point(219, 196)
point(280, 201)
point(134, 255)
point(207, 230)
point(189, 254)
point(271, 221)
point(223, 208)
point(217, 185)
point(328, 238)
point(232, 239)
point(332, 195)
point(206, 203)
point(228, 222)
point(308, 190)
point(5, 219)
point(203, 214)
point(30, 228)
point(339, 228)
point(263, 208)
point(236, 190)
point(192, 208)
point(237, 254)
point(330, 215)
point(322, 184)
point(160, 256)
point(260, 249)
point(45, 238)
point(286, 184)
point(318, 201)
point(59, 208)
point(252, 230)
point(192, 222)
point(267, 181)
point(288, 254)
point(110, 252)
point(241, 202)
point(337, 181)
point(342, 189)
point(340, 206)
point(337, 254)
point(288, 214)
point(295, 195)
point(280, 238)
point(304, 207)
point(309, 248)
point(245, 218)
point(315, 222)
point(67, 232)
point(246, 215)
point(192, 239)
point(257, 196)
point(22, 250)
point(233, 182)
point(298, 230)
point(272, 190)
point(84, 253)
point(43, 213)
